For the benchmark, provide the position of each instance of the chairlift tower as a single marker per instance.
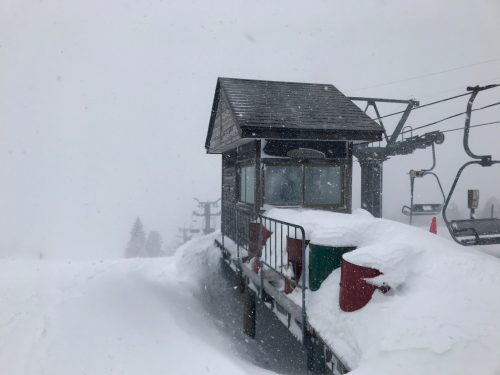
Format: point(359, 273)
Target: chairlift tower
point(371, 158)
point(206, 208)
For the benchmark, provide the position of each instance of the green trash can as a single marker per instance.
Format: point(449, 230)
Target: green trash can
point(322, 261)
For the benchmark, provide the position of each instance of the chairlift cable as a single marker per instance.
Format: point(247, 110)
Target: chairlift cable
point(424, 105)
point(439, 121)
point(472, 126)
point(462, 128)
point(434, 102)
point(450, 117)
point(444, 119)
point(426, 75)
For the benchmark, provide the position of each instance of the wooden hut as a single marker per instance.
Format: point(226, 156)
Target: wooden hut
point(286, 144)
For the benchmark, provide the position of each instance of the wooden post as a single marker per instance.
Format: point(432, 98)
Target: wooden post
point(249, 313)
point(315, 354)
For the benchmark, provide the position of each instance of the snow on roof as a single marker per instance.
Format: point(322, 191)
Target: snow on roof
point(284, 110)
point(442, 315)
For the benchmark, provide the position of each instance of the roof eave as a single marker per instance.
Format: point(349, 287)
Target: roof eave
point(213, 114)
point(371, 135)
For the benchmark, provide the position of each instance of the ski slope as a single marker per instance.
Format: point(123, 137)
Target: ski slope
point(147, 316)
point(137, 316)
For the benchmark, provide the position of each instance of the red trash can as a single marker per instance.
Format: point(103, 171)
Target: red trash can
point(355, 292)
point(254, 247)
point(294, 249)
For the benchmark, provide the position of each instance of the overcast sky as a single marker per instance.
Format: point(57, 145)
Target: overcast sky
point(104, 106)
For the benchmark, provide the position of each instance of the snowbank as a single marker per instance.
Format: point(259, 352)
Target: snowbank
point(136, 316)
point(142, 316)
point(442, 315)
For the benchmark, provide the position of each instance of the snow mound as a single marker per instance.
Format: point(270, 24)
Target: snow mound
point(442, 315)
point(134, 316)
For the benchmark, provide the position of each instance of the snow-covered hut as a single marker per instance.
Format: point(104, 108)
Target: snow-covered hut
point(285, 143)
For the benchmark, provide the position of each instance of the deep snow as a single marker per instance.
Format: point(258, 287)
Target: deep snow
point(442, 315)
point(137, 316)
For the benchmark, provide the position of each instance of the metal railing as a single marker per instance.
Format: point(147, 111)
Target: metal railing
point(269, 240)
point(235, 224)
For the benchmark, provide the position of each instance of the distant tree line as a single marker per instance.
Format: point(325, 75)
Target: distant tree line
point(141, 245)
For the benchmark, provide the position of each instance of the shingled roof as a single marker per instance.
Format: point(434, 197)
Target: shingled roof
point(284, 110)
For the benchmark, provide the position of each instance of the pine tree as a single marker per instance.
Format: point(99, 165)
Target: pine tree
point(137, 240)
point(153, 244)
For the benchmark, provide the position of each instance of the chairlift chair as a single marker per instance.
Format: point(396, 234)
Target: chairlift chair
point(421, 209)
point(472, 231)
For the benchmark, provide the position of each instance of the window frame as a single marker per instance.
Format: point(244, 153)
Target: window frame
point(239, 170)
point(344, 175)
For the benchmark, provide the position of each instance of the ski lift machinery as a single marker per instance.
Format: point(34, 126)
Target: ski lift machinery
point(472, 231)
point(421, 209)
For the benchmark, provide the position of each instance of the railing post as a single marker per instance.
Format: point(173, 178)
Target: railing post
point(249, 313)
point(304, 278)
point(237, 235)
point(259, 247)
point(223, 223)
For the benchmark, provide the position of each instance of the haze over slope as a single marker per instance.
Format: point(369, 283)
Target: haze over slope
point(104, 106)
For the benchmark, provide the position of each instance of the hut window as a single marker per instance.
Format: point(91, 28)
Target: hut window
point(283, 185)
point(247, 184)
point(323, 185)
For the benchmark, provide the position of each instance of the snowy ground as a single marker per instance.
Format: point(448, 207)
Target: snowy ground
point(138, 316)
point(442, 315)
point(177, 316)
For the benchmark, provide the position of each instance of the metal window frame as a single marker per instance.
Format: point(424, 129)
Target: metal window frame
point(343, 163)
point(239, 167)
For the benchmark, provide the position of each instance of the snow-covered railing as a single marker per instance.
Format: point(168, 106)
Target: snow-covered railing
point(235, 225)
point(285, 254)
point(275, 249)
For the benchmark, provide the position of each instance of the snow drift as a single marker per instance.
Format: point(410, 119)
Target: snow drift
point(143, 316)
point(442, 315)
point(135, 316)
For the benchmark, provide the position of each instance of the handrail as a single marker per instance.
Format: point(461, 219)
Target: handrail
point(268, 261)
point(272, 252)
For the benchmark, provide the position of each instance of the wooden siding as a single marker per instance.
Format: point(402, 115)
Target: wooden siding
point(225, 131)
point(229, 178)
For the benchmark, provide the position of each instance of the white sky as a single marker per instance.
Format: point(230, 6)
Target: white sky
point(104, 106)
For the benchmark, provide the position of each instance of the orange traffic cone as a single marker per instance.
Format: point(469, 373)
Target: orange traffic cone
point(433, 228)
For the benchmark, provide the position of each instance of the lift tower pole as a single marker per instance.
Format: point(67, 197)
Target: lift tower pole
point(206, 208)
point(371, 159)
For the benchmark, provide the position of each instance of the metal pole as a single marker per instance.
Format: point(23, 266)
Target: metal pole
point(412, 185)
point(223, 223)
point(249, 313)
point(259, 248)
point(371, 186)
point(304, 277)
point(237, 236)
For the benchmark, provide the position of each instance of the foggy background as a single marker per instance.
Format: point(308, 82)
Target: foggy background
point(104, 106)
